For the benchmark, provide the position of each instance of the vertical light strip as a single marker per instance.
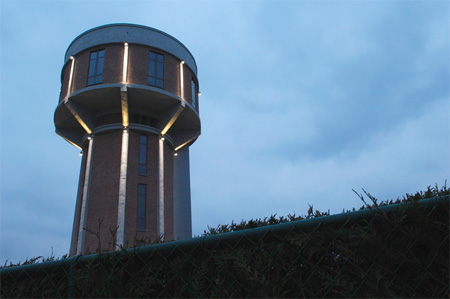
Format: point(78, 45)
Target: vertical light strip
point(122, 190)
point(84, 202)
point(160, 203)
point(124, 105)
point(182, 80)
point(125, 63)
point(72, 66)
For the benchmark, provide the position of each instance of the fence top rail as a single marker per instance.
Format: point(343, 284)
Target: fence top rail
point(230, 237)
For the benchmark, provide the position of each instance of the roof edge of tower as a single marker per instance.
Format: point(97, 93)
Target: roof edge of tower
point(157, 38)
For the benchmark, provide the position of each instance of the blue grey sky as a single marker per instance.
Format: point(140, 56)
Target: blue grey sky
point(302, 101)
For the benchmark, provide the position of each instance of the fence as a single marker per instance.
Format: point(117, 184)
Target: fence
point(399, 250)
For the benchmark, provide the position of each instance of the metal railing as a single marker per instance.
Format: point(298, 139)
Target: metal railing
point(399, 250)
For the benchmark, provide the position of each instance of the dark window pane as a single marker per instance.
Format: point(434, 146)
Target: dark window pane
point(96, 67)
point(92, 68)
point(142, 154)
point(151, 68)
point(142, 194)
point(160, 70)
point(141, 207)
point(140, 224)
point(142, 170)
point(100, 66)
point(156, 69)
point(194, 93)
point(142, 189)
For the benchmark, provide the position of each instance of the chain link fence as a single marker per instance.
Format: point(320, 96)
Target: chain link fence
point(399, 250)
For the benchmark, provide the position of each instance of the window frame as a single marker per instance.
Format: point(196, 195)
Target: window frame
point(141, 206)
point(97, 75)
point(155, 71)
point(142, 158)
point(194, 93)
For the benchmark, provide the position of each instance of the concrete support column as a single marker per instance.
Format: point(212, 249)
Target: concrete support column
point(122, 190)
point(84, 202)
point(160, 203)
point(72, 66)
point(182, 225)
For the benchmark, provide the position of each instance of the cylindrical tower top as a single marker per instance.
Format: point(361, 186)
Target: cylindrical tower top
point(131, 33)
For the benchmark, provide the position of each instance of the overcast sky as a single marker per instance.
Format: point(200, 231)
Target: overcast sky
point(302, 101)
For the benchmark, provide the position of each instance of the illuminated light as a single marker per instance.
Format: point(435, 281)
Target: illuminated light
point(84, 200)
point(122, 191)
point(175, 154)
point(181, 80)
point(81, 153)
point(180, 146)
point(124, 105)
point(69, 87)
point(89, 137)
point(162, 138)
point(160, 192)
point(72, 143)
point(165, 129)
point(173, 118)
point(125, 63)
point(78, 118)
point(199, 93)
point(125, 130)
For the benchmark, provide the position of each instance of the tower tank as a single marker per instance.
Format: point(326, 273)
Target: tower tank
point(129, 102)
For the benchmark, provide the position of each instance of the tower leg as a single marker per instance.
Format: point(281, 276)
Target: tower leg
point(160, 203)
point(84, 201)
point(122, 190)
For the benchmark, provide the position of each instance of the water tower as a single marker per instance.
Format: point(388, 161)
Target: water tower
point(129, 102)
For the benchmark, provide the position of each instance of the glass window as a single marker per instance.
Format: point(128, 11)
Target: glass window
point(156, 69)
point(142, 155)
point(140, 219)
point(194, 93)
point(95, 72)
point(144, 120)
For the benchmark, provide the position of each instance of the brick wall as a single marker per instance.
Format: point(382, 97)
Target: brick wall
point(150, 180)
point(137, 69)
point(104, 189)
point(76, 222)
point(168, 192)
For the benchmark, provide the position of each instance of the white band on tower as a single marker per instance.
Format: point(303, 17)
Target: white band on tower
point(122, 190)
point(84, 201)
